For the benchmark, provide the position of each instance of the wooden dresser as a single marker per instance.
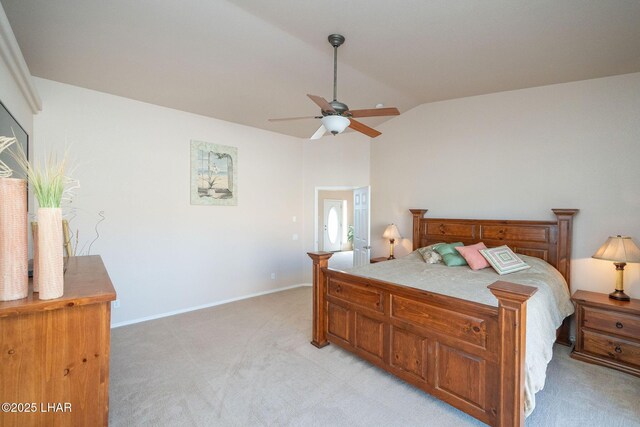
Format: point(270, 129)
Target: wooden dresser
point(607, 331)
point(54, 354)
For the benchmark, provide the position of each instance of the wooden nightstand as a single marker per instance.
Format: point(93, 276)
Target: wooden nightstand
point(607, 331)
point(378, 259)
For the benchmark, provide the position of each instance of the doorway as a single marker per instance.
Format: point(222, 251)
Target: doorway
point(335, 223)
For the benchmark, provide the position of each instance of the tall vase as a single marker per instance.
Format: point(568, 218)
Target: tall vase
point(50, 260)
point(14, 246)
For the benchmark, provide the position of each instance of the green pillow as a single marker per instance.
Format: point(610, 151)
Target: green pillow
point(450, 256)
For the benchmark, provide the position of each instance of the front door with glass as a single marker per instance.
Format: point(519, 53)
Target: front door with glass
point(332, 226)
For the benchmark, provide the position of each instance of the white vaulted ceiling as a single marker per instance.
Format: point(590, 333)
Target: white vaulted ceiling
point(248, 60)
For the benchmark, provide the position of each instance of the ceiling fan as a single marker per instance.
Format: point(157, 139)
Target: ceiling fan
point(336, 116)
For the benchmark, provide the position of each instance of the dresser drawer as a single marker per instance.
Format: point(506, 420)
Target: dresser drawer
point(610, 321)
point(613, 348)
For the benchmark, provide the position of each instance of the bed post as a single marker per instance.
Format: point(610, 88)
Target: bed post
point(565, 231)
point(319, 334)
point(418, 214)
point(565, 227)
point(512, 316)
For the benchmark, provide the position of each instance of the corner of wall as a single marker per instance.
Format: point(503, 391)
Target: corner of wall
point(14, 61)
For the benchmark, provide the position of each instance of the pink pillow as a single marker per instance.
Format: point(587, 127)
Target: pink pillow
point(472, 255)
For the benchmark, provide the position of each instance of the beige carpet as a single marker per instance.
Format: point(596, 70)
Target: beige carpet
point(249, 363)
point(341, 260)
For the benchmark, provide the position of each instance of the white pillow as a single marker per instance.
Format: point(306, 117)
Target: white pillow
point(430, 255)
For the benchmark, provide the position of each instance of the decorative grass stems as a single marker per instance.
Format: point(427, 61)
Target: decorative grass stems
point(47, 181)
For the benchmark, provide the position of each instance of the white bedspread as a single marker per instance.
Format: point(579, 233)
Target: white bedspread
point(545, 309)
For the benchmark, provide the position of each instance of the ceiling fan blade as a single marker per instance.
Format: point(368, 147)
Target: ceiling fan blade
point(322, 103)
point(362, 128)
point(295, 118)
point(319, 133)
point(374, 112)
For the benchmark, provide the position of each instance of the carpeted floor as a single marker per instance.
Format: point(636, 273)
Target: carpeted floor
point(249, 363)
point(341, 260)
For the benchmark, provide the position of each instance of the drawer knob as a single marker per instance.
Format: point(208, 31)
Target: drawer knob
point(338, 288)
point(618, 349)
point(619, 325)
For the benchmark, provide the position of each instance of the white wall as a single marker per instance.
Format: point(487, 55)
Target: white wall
point(14, 100)
point(162, 253)
point(340, 161)
point(569, 145)
point(17, 92)
point(517, 155)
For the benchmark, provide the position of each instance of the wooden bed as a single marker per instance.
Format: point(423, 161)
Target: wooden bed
point(467, 354)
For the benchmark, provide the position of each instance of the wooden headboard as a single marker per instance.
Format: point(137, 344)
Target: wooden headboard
point(548, 240)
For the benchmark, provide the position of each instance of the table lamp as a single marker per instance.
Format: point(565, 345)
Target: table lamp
point(391, 233)
point(620, 250)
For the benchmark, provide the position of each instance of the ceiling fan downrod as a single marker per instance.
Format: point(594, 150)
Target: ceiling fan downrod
point(336, 40)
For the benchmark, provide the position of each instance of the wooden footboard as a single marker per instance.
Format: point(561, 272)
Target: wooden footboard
point(467, 354)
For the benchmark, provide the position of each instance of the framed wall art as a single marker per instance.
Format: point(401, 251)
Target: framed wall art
point(10, 127)
point(214, 174)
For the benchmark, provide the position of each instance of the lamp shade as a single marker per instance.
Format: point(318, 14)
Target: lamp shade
point(335, 124)
point(391, 232)
point(618, 249)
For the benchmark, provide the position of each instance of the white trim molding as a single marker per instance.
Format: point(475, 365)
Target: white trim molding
point(12, 56)
point(200, 307)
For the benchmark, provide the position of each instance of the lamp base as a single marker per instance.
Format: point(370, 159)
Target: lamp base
point(619, 295)
point(391, 242)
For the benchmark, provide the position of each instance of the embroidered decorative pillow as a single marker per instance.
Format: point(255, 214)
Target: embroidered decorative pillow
point(473, 256)
point(430, 255)
point(450, 256)
point(503, 260)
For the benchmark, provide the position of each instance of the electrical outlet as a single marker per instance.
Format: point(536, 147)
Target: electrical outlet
point(116, 304)
point(295, 237)
point(273, 276)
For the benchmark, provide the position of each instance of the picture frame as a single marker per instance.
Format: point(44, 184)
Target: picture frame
point(214, 174)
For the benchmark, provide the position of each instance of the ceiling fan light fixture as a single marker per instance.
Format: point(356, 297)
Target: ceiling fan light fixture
point(335, 124)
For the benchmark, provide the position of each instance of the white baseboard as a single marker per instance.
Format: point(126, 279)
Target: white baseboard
point(200, 307)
